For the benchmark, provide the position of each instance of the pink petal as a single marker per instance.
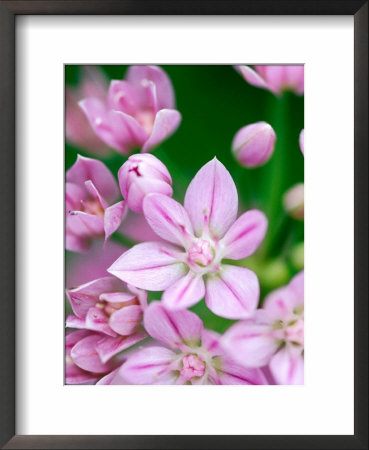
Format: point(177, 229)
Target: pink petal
point(139, 75)
point(279, 304)
point(126, 320)
point(149, 265)
point(233, 373)
point(75, 322)
point(287, 367)
point(85, 356)
point(75, 243)
point(119, 130)
point(85, 169)
point(107, 346)
point(113, 378)
point(122, 96)
point(248, 342)
point(136, 228)
point(187, 291)
point(165, 124)
point(253, 77)
point(296, 285)
point(97, 320)
point(211, 198)
point(113, 217)
point(150, 365)
point(172, 327)
point(84, 224)
point(118, 297)
point(294, 78)
point(234, 293)
point(245, 235)
point(168, 219)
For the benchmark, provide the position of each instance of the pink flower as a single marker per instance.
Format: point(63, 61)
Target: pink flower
point(141, 175)
point(77, 128)
point(275, 78)
point(186, 353)
point(293, 201)
point(301, 141)
point(274, 335)
point(199, 236)
point(83, 364)
point(109, 307)
point(253, 145)
point(90, 189)
point(138, 111)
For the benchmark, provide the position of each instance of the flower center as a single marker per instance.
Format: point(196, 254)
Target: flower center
point(192, 367)
point(146, 120)
point(295, 332)
point(201, 253)
point(92, 206)
point(110, 307)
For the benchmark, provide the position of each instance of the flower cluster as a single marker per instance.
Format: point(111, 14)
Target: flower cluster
point(140, 259)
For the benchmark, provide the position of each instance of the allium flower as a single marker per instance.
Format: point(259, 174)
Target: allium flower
point(82, 363)
point(301, 141)
point(186, 353)
point(138, 111)
point(253, 145)
point(199, 236)
point(141, 175)
point(90, 189)
point(275, 78)
point(109, 307)
point(77, 128)
point(293, 201)
point(274, 335)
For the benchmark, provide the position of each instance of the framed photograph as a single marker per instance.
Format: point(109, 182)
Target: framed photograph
point(163, 224)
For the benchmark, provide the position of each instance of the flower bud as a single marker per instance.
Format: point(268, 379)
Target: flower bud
point(293, 201)
point(140, 175)
point(253, 144)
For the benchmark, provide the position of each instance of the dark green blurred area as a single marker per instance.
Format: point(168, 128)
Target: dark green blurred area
point(215, 102)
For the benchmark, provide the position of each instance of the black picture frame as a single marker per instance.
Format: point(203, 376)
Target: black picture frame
point(8, 12)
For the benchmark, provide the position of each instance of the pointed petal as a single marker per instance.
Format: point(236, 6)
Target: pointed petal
point(233, 373)
point(245, 235)
point(249, 343)
point(212, 197)
point(85, 169)
point(234, 293)
point(185, 292)
point(172, 327)
point(84, 355)
point(252, 77)
point(112, 378)
point(168, 219)
point(126, 320)
point(149, 265)
point(165, 124)
point(287, 367)
point(107, 346)
point(113, 217)
point(139, 76)
point(75, 322)
point(122, 96)
point(148, 366)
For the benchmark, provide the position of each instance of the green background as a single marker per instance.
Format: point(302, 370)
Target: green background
point(215, 102)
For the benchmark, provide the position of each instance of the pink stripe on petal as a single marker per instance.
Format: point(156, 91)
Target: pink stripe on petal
point(107, 346)
point(172, 327)
point(212, 198)
point(148, 366)
point(287, 367)
point(168, 219)
point(245, 235)
point(249, 343)
point(234, 293)
point(187, 291)
point(149, 265)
